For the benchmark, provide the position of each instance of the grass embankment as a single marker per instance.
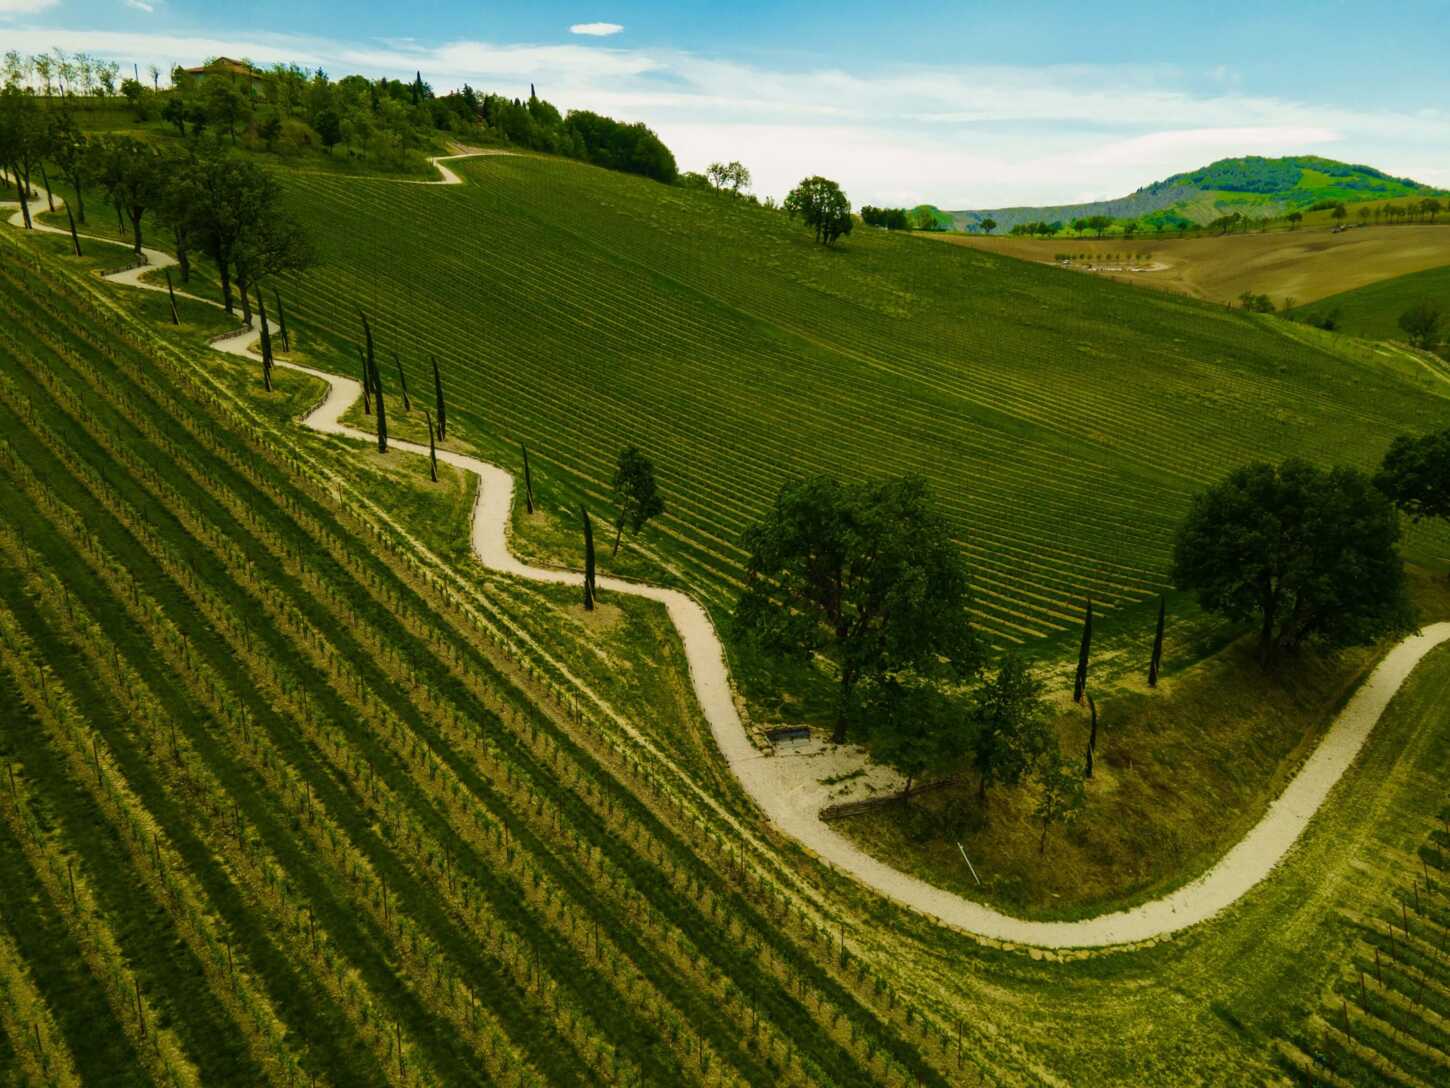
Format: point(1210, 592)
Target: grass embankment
point(1064, 421)
point(1181, 774)
point(1373, 312)
point(1305, 265)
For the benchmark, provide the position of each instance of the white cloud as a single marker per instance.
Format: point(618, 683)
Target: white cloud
point(972, 136)
point(141, 5)
point(596, 30)
point(25, 7)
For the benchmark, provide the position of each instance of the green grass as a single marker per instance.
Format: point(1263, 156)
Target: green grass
point(265, 649)
point(1063, 421)
point(1373, 312)
point(347, 785)
point(1180, 775)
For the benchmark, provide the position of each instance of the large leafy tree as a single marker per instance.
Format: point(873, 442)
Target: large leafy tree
point(636, 497)
point(133, 175)
point(71, 152)
point(1423, 325)
point(1310, 555)
point(1011, 734)
point(22, 140)
point(1415, 474)
point(820, 203)
point(915, 729)
point(238, 218)
point(867, 572)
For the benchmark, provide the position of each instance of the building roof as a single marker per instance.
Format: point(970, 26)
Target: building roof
point(225, 65)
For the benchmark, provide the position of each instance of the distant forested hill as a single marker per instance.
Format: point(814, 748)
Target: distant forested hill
point(1254, 186)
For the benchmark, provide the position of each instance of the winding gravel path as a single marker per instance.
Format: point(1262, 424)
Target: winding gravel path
point(794, 812)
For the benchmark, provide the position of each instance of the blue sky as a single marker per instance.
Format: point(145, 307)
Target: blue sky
point(964, 105)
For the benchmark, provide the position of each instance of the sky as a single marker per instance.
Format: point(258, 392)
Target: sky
point(962, 105)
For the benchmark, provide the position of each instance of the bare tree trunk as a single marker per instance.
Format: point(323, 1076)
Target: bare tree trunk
point(45, 180)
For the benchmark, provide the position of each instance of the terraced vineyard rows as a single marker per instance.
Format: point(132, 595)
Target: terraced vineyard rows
point(1386, 1018)
point(748, 356)
point(386, 845)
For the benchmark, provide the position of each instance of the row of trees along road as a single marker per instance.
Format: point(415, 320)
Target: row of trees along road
point(867, 576)
point(207, 200)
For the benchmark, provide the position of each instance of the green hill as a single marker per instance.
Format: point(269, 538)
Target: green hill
point(1253, 186)
point(1063, 420)
point(1373, 312)
point(295, 792)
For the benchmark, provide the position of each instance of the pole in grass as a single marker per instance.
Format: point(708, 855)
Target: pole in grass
point(75, 239)
point(588, 561)
point(403, 383)
point(171, 294)
point(1156, 661)
point(432, 448)
point(282, 322)
point(528, 480)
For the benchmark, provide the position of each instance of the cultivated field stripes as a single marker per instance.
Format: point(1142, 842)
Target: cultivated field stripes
point(537, 319)
point(780, 967)
point(1386, 1019)
point(38, 1046)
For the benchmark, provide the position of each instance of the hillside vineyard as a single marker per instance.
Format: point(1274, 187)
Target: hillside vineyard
point(1063, 421)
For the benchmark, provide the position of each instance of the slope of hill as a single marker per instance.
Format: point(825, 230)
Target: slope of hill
point(1373, 312)
point(1304, 265)
point(1254, 186)
point(1063, 420)
point(293, 798)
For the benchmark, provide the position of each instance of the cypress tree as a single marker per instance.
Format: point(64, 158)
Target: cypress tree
point(1092, 737)
point(75, 239)
point(282, 322)
point(370, 372)
point(367, 385)
point(175, 318)
point(528, 480)
point(432, 449)
point(1156, 661)
point(438, 393)
point(266, 342)
point(1080, 685)
point(403, 383)
point(588, 561)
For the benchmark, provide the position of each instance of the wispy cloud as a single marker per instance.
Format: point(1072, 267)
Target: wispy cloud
point(596, 30)
point(962, 137)
point(141, 5)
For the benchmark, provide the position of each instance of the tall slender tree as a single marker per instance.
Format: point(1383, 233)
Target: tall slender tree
point(432, 447)
point(1092, 736)
point(282, 321)
point(588, 561)
point(1080, 684)
point(528, 480)
point(635, 494)
point(1156, 661)
point(438, 395)
point(367, 384)
point(403, 383)
point(266, 342)
point(370, 373)
point(75, 239)
point(171, 294)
